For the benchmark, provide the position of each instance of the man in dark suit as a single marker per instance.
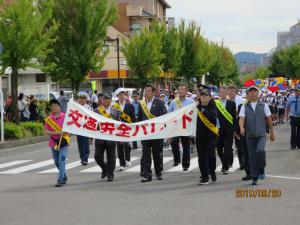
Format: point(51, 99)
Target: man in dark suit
point(226, 117)
point(102, 146)
point(126, 110)
point(151, 107)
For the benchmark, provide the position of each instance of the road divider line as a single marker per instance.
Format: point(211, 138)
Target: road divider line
point(284, 177)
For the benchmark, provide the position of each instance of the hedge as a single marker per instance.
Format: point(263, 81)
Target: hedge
point(35, 128)
point(24, 130)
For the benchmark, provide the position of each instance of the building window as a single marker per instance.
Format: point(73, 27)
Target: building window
point(41, 78)
point(135, 28)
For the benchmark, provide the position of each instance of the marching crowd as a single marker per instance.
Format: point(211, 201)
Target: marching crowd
point(236, 118)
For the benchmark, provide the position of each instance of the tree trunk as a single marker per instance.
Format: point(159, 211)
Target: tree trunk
point(14, 94)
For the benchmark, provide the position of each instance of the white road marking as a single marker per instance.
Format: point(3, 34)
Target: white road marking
point(30, 167)
point(97, 169)
point(68, 166)
point(138, 168)
point(13, 163)
point(193, 165)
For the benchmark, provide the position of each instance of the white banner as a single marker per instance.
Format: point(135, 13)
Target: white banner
point(82, 121)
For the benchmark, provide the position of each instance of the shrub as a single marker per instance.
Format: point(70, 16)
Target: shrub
point(13, 131)
point(35, 128)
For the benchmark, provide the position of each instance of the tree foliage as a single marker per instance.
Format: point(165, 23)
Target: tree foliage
point(80, 39)
point(287, 61)
point(262, 72)
point(143, 53)
point(25, 37)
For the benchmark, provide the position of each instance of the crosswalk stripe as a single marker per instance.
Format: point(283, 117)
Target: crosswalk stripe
point(30, 167)
point(68, 166)
point(138, 168)
point(234, 167)
point(193, 165)
point(13, 163)
point(97, 169)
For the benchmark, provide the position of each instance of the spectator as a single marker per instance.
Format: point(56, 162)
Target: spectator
point(63, 101)
point(33, 109)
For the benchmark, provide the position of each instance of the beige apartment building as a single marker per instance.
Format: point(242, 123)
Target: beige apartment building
point(133, 16)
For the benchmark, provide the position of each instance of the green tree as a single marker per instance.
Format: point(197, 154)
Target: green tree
point(224, 68)
point(144, 55)
point(195, 60)
point(79, 40)
point(171, 47)
point(262, 72)
point(25, 38)
point(287, 61)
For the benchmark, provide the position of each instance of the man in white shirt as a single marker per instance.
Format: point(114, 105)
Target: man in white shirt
point(255, 120)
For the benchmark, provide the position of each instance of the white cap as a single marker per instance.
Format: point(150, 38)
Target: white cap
point(82, 94)
point(119, 90)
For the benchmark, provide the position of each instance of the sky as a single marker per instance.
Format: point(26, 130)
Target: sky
point(243, 25)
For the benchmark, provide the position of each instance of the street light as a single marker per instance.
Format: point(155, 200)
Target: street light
point(116, 43)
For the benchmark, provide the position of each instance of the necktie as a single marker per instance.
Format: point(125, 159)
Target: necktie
point(296, 103)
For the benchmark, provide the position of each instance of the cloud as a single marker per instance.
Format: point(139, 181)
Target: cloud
point(243, 24)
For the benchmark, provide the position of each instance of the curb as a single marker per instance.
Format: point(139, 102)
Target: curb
point(22, 142)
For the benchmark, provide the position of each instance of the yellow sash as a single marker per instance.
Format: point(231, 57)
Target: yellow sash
point(208, 124)
point(224, 111)
point(178, 103)
point(146, 110)
point(102, 111)
point(57, 128)
point(124, 116)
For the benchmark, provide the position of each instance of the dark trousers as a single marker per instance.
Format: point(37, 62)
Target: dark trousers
point(83, 147)
point(124, 150)
point(186, 145)
point(224, 148)
point(241, 145)
point(295, 132)
point(206, 156)
point(109, 166)
point(156, 148)
point(134, 144)
point(257, 155)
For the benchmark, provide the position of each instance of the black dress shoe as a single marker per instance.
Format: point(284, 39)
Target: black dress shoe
point(246, 177)
point(175, 164)
point(159, 177)
point(84, 163)
point(185, 169)
point(292, 148)
point(242, 167)
point(146, 179)
point(255, 181)
point(103, 175)
point(110, 179)
point(213, 177)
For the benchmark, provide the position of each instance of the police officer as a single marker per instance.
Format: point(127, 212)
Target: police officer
point(126, 110)
point(103, 146)
point(206, 135)
point(227, 119)
point(255, 120)
point(151, 107)
point(293, 111)
point(176, 104)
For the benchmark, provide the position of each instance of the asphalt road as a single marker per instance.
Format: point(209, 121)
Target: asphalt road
point(28, 196)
